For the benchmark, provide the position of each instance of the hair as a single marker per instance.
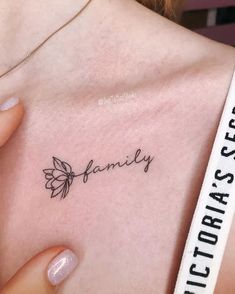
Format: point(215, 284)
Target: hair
point(166, 8)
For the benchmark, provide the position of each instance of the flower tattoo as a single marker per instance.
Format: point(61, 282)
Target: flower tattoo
point(60, 178)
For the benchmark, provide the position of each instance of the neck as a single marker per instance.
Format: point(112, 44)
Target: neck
point(24, 25)
point(102, 45)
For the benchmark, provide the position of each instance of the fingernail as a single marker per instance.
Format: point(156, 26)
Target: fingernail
point(61, 267)
point(9, 103)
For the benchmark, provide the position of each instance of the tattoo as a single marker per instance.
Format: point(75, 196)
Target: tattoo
point(60, 178)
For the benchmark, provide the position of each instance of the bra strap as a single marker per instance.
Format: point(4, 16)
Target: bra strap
point(213, 215)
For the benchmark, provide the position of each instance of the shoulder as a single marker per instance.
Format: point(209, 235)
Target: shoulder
point(190, 81)
point(173, 55)
point(198, 67)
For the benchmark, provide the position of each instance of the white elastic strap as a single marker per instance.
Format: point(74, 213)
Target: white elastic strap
point(213, 216)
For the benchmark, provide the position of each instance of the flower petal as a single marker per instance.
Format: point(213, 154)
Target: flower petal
point(58, 173)
point(70, 178)
point(67, 167)
point(55, 184)
point(48, 171)
point(49, 176)
point(58, 164)
point(61, 165)
point(65, 190)
point(49, 184)
point(57, 191)
point(62, 178)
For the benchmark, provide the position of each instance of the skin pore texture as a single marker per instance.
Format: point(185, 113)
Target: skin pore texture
point(117, 79)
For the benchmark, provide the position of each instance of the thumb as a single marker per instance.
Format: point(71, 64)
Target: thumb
point(42, 273)
point(11, 114)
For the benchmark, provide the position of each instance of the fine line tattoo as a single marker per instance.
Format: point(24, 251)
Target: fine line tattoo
point(60, 178)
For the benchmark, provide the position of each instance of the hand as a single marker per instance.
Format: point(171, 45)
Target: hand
point(44, 272)
point(11, 114)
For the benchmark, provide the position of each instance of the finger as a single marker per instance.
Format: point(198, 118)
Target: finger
point(11, 114)
point(43, 273)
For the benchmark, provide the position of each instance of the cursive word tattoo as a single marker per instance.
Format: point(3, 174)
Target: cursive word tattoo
point(60, 178)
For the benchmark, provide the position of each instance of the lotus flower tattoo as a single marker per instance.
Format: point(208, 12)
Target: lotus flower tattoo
point(59, 179)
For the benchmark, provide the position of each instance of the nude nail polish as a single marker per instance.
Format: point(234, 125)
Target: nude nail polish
point(61, 267)
point(9, 103)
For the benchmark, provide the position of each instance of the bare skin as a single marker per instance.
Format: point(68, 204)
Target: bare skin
point(128, 227)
